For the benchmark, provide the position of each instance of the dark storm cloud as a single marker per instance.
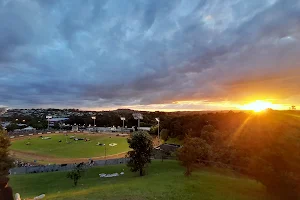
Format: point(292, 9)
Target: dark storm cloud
point(111, 53)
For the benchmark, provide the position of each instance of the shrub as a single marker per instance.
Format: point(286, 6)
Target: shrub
point(75, 174)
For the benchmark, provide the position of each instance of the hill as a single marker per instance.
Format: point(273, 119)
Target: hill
point(165, 180)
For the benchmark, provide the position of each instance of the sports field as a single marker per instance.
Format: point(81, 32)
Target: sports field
point(165, 180)
point(62, 146)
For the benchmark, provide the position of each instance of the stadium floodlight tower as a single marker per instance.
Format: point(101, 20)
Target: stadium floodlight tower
point(94, 118)
point(3, 110)
point(137, 116)
point(48, 117)
point(123, 119)
point(157, 119)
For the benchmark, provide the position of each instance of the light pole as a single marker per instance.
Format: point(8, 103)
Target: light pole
point(157, 119)
point(48, 117)
point(94, 118)
point(137, 116)
point(123, 119)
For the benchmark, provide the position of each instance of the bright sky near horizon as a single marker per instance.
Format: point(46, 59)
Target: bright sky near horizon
point(150, 55)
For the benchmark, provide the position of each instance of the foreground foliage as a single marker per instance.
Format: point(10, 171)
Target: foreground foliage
point(5, 161)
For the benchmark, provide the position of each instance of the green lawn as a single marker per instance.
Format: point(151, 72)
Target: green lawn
point(174, 141)
point(165, 180)
point(73, 149)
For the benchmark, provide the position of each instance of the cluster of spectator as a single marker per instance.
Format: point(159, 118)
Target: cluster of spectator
point(91, 163)
point(19, 163)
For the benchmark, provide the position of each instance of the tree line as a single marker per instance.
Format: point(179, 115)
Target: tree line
point(263, 146)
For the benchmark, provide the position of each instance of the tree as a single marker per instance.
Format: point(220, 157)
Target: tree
point(208, 128)
point(193, 152)
point(12, 127)
point(153, 130)
point(142, 145)
point(278, 169)
point(75, 174)
point(164, 134)
point(6, 162)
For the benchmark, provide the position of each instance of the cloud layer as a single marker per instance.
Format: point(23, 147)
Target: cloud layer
point(112, 53)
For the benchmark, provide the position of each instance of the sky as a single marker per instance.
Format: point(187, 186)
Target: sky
point(149, 55)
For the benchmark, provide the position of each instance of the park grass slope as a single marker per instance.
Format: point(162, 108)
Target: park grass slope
point(165, 180)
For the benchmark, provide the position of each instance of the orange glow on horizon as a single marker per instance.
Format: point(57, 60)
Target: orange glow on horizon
point(259, 105)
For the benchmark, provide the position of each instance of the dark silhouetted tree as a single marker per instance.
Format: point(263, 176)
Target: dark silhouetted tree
point(6, 162)
point(142, 145)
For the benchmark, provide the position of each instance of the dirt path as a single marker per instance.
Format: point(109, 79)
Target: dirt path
point(42, 159)
point(69, 133)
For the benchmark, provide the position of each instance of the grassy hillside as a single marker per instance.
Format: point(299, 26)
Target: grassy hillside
point(164, 181)
point(73, 149)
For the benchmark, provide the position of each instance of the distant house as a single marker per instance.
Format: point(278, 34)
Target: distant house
point(5, 124)
point(74, 128)
point(20, 125)
point(29, 129)
point(144, 128)
point(54, 121)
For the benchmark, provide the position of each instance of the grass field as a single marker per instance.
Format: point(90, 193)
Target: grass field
point(174, 141)
point(73, 149)
point(165, 180)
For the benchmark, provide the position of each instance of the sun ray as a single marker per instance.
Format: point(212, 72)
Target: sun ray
point(237, 133)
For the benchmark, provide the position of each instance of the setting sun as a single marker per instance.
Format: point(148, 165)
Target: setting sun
point(258, 106)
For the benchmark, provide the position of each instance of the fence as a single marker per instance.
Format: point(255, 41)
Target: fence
point(64, 167)
point(23, 134)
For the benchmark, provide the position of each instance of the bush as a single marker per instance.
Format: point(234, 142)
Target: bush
point(75, 174)
point(164, 134)
point(153, 130)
